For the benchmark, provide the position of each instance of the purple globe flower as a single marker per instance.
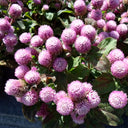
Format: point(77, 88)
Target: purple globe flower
point(32, 51)
point(89, 7)
point(114, 34)
point(68, 36)
point(111, 25)
point(30, 98)
point(45, 32)
point(115, 55)
point(9, 48)
point(113, 4)
point(25, 37)
point(124, 14)
point(82, 44)
point(22, 57)
point(3, 3)
point(119, 69)
point(124, 20)
point(37, 1)
point(101, 23)
point(21, 70)
point(117, 99)
point(104, 7)
point(97, 3)
point(65, 106)
point(45, 58)
point(45, 7)
point(54, 46)
point(77, 25)
point(47, 94)
point(15, 11)
point(76, 90)
point(36, 41)
point(96, 14)
point(59, 64)
point(1, 35)
point(125, 60)
point(110, 16)
point(67, 47)
point(88, 31)
point(87, 87)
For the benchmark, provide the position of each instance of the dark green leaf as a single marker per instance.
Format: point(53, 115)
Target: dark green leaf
point(64, 11)
point(49, 15)
point(21, 24)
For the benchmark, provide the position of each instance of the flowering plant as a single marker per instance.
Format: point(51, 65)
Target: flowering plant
point(72, 60)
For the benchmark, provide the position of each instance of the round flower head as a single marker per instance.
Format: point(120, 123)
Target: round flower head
point(101, 23)
point(9, 48)
point(122, 29)
point(59, 64)
point(89, 7)
point(3, 3)
point(30, 98)
point(21, 70)
point(119, 69)
point(4, 25)
point(88, 31)
point(82, 44)
point(96, 14)
point(66, 47)
point(47, 94)
point(82, 108)
point(110, 16)
point(45, 32)
point(124, 14)
point(25, 37)
point(36, 41)
point(22, 57)
point(45, 58)
point(32, 77)
point(54, 45)
point(45, 7)
point(37, 1)
point(32, 51)
point(114, 34)
point(76, 90)
point(104, 7)
point(80, 7)
point(111, 25)
point(113, 4)
point(115, 55)
point(65, 106)
point(15, 11)
point(19, 99)
point(87, 87)
point(93, 99)
point(124, 20)
point(97, 3)
point(1, 35)
point(68, 36)
point(15, 87)
point(59, 95)
point(77, 25)
point(125, 60)
point(10, 40)
point(117, 99)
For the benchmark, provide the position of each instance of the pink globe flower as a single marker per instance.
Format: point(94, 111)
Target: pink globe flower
point(110, 16)
point(68, 36)
point(21, 70)
point(125, 60)
point(15, 11)
point(101, 23)
point(15, 87)
point(45, 32)
point(1, 35)
point(119, 69)
point(97, 3)
point(25, 37)
point(32, 51)
point(30, 98)
point(82, 44)
point(111, 25)
point(96, 14)
point(45, 7)
point(114, 34)
point(66, 47)
point(37, 1)
point(45, 58)
point(113, 4)
point(19, 99)
point(115, 55)
point(117, 99)
point(124, 20)
point(47, 94)
point(22, 57)
point(89, 7)
point(104, 7)
point(87, 87)
point(65, 106)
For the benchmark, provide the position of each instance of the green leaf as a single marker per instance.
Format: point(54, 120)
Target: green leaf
point(21, 24)
point(64, 22)
point(126, 41)
point(71, 18)
point(64, 11)
point(49, 15)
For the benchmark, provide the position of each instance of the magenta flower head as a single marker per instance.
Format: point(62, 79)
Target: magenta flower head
point(110, 16)
point(15, 87)
point(77, 25)
point(68, 36)
point(89, 7)
point(9, 48)
point(88, 31)
point(115, 55)
point(66, 47)
point(65, 106)
point(3, 3)
point(124, 20)
point(36, 41)
point(80, 7)
point(4, 25)
point(97, 3)
point(25, 37)
point(82, 44)
point(1, 35)
point(59, 95)
point(104, 7)
point(87, 87)
point(119, 69)
point(124, 14)
point(21, 70)
point(45, 7)
point(47, 94)
point(59, 64)
point(30, 98)
point(117, 99)
point(76, 90)
point(125, 60)
point(122, 29)
point(93, 99)
point(111, 25)
point(19, 99)
point(22, 57)
point(32, 77)
point(113, 4)
point(45, 58)
point(54, 46)
point(37, 1)
point(32, 51)
point(96, 14)
point(114, 34)
point(45, 32)
point(101, 23)
point(15, 11)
